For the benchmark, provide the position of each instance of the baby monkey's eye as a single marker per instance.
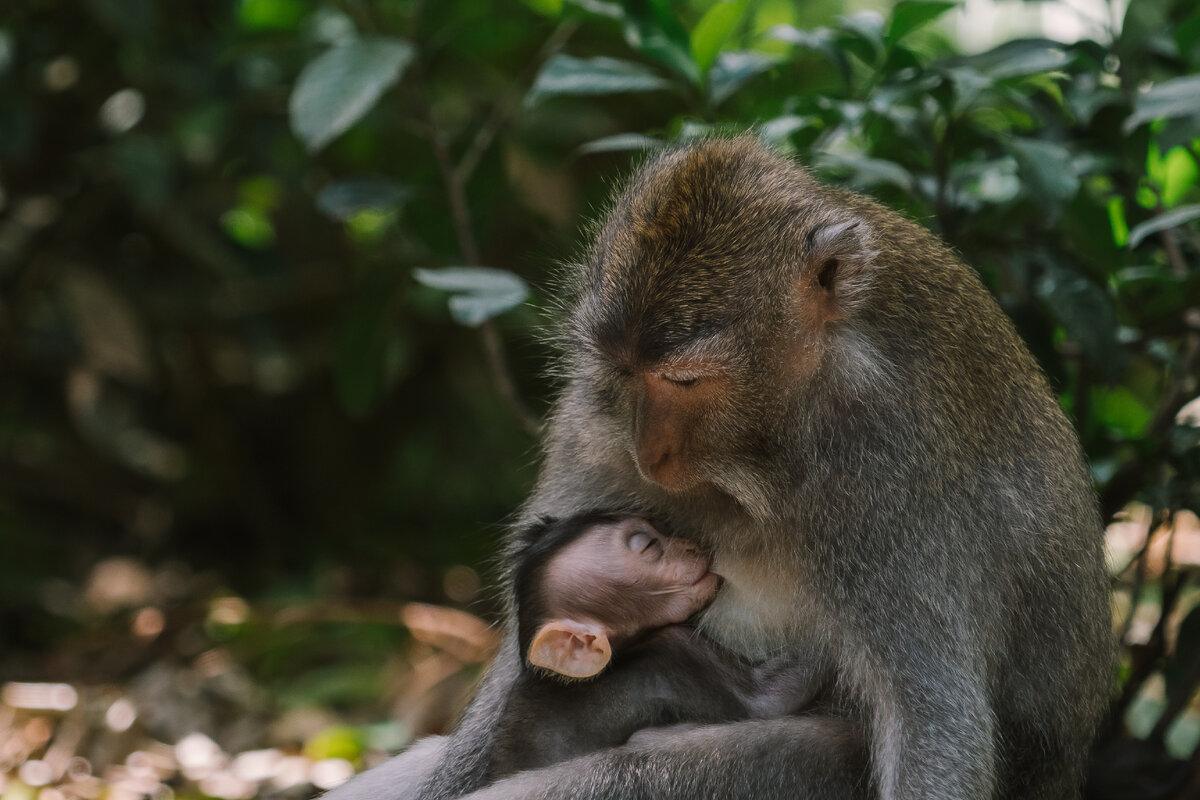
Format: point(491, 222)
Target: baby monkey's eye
point(641, 541)
point(682, 381)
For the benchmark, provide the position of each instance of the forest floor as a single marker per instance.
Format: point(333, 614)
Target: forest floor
point(172, 698)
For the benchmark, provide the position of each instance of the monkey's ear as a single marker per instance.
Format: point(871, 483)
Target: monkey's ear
point(837, 273)
point(570, 648)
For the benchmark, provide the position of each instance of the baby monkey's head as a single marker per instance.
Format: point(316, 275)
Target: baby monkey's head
point(587, 584)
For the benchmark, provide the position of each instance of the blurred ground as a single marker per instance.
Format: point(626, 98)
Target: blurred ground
point(227, 700)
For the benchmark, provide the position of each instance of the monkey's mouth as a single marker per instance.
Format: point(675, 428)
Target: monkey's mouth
point(708, 582)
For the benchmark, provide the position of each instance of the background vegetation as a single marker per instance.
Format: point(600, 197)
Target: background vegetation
point(271, 276)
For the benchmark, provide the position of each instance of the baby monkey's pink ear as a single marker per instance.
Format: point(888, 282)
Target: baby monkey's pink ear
point(571, 648)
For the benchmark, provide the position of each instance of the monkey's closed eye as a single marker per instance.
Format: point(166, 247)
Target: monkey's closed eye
point(681, 377)
point(640, 542)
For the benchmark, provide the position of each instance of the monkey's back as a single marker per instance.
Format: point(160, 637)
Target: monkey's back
point(1003, 493)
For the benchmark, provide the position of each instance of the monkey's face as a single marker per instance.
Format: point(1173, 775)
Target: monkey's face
point(694, 423)
point(705, 317)
point(682, 367)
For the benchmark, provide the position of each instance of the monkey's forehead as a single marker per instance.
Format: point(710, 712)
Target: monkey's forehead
point(702, 239)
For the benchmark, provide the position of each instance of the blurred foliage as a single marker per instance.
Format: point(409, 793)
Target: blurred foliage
point(272, 273)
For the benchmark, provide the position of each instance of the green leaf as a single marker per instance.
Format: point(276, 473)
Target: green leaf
point(713, 30)
point(1146, 197)
point(652, 28)
point(271, 14)
point(865, 172)
point(908, 15)
point(567, 75)
point(1145, 21)
point(733, 70)
point(1086, 96)
point(1165, 221)
point(341, 85)
point(249, 226)
point(369, 225)
point(1174, 174)
point(1178, 97)
point(1046, 83)
point(1047, 171)
point(692, 129)
point(341, 200)
point(985, 183)
point(547, 8)
point(1145, 709)
point(1184, 732)
point(1187, 37)
point(339, 741)
point(1014, 59)
point(821, 40)
point(1181, 175)
point(1179, 132)
point(777, 131)
point(1035, 60)
point(1085, 312)
point(620, 142)
point(388, 737)
point(862, 34)
point(968, 83)
point(479, 293)
point(261, 191)
point(1121, 412)
point(600, 8)
point(1116, 218)
point(331, 28)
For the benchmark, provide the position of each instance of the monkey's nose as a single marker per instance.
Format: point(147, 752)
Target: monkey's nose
point(663, 467)
point(652, 459)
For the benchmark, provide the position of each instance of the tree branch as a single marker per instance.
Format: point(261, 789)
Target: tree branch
point(460, 216)
point(502, 111)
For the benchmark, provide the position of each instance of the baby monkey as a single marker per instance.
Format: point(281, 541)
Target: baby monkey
point(601, 599)
point(591, 584)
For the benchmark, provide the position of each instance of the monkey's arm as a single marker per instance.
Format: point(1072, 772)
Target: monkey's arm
point(672, 675)
point(462, 765)
point(441, 767)
point(398, 778)
point(801, 757)
point(933, 728)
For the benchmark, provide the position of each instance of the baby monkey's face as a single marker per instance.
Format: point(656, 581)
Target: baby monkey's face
point(629, 577)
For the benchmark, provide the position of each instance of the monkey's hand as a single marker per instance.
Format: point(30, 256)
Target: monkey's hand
point(659, 735)
point(786, 685)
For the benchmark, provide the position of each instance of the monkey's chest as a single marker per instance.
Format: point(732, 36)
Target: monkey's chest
point(762, 608)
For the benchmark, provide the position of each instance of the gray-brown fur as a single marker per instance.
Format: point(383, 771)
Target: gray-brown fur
point(886, 482)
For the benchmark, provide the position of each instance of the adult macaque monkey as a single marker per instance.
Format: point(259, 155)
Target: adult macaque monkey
point(836, 406)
